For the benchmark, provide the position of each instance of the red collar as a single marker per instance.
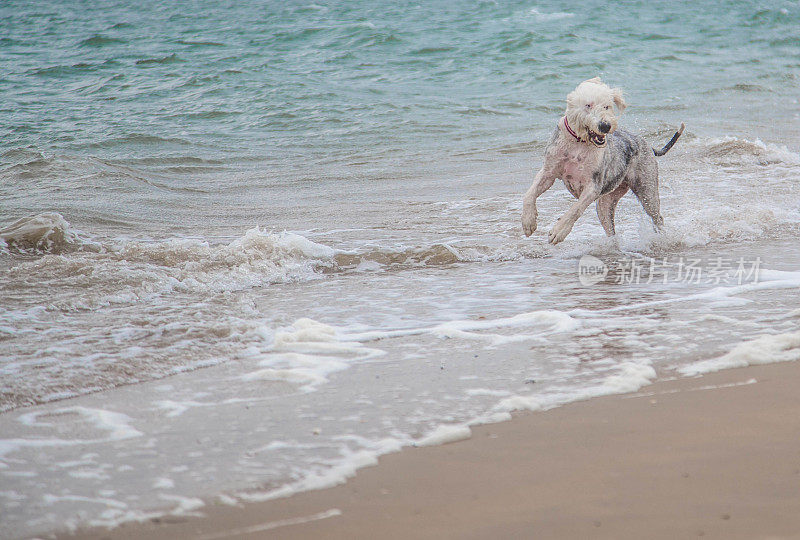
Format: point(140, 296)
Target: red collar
point(569, 130)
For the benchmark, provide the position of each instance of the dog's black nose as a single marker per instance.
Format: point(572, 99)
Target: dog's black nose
point(605, 127)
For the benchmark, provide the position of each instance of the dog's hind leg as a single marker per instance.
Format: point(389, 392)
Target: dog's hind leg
point(606, 205)
point(647, 193)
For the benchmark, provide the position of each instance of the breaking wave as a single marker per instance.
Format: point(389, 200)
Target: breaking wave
point(48, 232)
point(733, 151)
point(257, 258)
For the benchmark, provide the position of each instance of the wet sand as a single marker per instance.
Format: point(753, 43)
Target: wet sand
point(715, 457)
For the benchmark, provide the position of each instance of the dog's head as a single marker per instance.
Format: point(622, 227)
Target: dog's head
point(590, 110)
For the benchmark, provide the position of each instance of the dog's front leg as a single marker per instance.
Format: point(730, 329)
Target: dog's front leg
point(544, 179)
point(564, 225)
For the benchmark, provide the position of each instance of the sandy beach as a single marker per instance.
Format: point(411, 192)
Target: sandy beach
point(715, 456)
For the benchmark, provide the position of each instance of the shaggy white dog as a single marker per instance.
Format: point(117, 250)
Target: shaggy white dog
point(596, 161)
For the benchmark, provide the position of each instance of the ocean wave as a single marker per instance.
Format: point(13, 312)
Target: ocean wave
point(200, 43)
point(540, 16)
point(168, 59)
point(41, 175)
point(384, 258)
point(735, 151)
point(48, 232)
point(257, 258)
point(63, 70)
point(20, 156)
point(137, 139)
point(99, 40)
point(481, 111)
point(124, 270)
point(32, 162)
point(432, 50)
point(185, 294)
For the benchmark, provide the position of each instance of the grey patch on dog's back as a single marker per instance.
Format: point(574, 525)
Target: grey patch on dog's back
point(627, 149)
point(623, 148)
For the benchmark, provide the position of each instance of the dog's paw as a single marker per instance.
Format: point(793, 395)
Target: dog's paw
point(528, 222)
point(559, 232)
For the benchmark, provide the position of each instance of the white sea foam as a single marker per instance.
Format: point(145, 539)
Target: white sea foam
point(116, 425)
point(184, 506)
point(520, 403)
point(336, 473)
point(318, 350)
point(766, 349)
point(329, 477)
point(490, 418)
point(727, 320)
point(226, 500)
point(177, 408)
point(257, 258)
point(118, 512)
point(305, 330)
point(304, 377)
point(630, 377)
point(554, 321)
point(485, 392)
point(52, 499)
point(546, 17)
point(307, 353)
point(89, 474)
point(163, 483)
point(444, 434)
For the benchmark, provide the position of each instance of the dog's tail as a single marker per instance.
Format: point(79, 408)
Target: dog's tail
point(671, 142)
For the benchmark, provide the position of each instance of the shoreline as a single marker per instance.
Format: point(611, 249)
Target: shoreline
point(715, 456)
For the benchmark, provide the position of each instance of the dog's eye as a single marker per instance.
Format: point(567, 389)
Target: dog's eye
point(588, 105)
point(608, 107)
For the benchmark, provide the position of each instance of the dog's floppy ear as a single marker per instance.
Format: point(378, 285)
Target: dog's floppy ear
point(619, 101)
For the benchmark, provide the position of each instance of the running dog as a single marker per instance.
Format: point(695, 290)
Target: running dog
point(596, 161)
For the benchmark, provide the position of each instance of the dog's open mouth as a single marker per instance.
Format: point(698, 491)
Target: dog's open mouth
point(597, 139)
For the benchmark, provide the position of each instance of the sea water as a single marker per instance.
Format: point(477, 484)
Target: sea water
point(248, 247)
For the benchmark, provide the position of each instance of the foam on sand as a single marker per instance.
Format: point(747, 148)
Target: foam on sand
point(306, 354)
point(116, 425)
point(762, 350)
point(327, 477)
point(444, 434)
point(554, 321)
point(630, 377)
point(309, 336)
